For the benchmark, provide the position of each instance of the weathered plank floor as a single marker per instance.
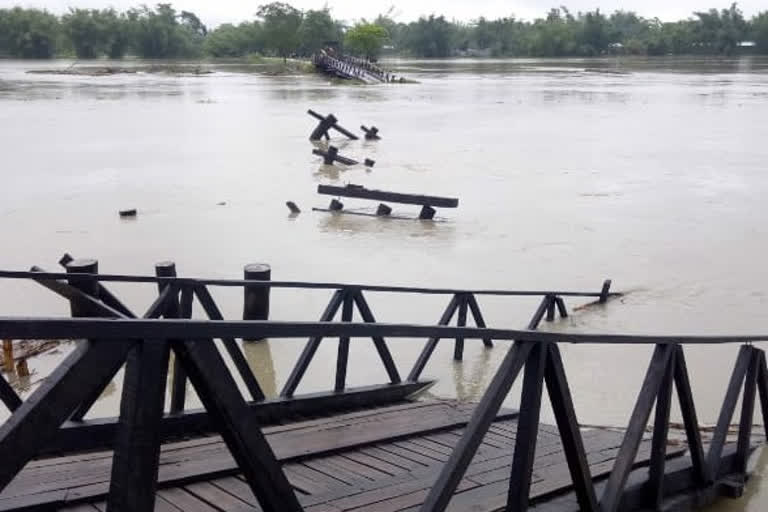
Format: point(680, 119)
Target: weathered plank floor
point(383, 459)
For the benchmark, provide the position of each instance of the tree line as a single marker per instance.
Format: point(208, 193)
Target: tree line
point(280, 29)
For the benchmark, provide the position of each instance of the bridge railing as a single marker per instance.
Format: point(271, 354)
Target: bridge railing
point(145, 343)
point(89, 297)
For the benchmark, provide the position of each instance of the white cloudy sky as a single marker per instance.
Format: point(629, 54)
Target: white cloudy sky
point(221, 11)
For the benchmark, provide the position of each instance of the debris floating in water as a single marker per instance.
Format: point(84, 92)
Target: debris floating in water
point(292, 206)
point(128, 213)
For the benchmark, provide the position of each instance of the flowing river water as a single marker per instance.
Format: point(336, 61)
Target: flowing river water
point(649, 172)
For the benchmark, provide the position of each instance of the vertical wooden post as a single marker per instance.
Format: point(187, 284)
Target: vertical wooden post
point(8, 355)
point(660, 434)
point(605, 291)
point(342, 358)
point(135, 461)
point(527, 430)
point(458, 348)
point(22, 370)
point(747, 413)
point(85, 285)
point(256, 298)
point(561, 307)
point(90, 287)
point(551, 309)
point(179, 382)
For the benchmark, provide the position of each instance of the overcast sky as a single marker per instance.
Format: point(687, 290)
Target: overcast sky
point(222, 11)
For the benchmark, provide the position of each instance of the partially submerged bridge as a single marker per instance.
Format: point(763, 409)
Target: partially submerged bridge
point(349, 449)
point(351, 68)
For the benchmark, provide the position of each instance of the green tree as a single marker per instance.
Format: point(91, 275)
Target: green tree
point(366, 39)
point(234, 41)
point(759, 31)
point(94, 33)
point(162, 33)
point(594, 37)
point(395, 30)
point(280, 22)
point(28, 33)
point(317, 30)
point(431, 37)
point(720, 31)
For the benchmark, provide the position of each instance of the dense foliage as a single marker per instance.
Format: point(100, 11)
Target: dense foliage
point(282, 30)
point(366, 39)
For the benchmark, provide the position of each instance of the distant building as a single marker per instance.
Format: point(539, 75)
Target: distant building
point(746, 48)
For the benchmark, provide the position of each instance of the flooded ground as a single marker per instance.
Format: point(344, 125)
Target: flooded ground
point(652, 173)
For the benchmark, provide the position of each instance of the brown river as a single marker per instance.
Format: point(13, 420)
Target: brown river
point(649, 172)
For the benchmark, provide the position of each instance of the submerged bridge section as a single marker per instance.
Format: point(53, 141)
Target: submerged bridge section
point(349, 449)
point(351, 68)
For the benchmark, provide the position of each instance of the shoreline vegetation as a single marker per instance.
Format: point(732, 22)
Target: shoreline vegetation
point(281, 31)
point(265, 65)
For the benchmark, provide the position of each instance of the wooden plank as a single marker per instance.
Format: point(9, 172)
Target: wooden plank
point(233, 349)
point(185, 501)
point(38, 418)
point(637, 423)
point(374, 462)
point(311, 347)
point(183, 465)
point(220, 396)
point(359, 192)
point(11, 274)
point(236, 487)
point(100, 433)
point(527, 429)
point(218, 498)
point(314, 481)
point(484, 414)
point(363, 470)
point(118, 329)
point(391, 458)
point(326, 466)
point(727, 410)
point(568, 425)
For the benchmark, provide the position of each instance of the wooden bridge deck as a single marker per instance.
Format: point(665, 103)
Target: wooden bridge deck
point(382, 459)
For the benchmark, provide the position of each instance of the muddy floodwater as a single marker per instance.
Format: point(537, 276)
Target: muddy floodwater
point(651, 172)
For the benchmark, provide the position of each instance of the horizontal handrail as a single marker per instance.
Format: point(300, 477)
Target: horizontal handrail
point(13, 274)
point(164, 329)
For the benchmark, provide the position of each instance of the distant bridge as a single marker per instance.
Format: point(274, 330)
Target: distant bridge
point(351, 68)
